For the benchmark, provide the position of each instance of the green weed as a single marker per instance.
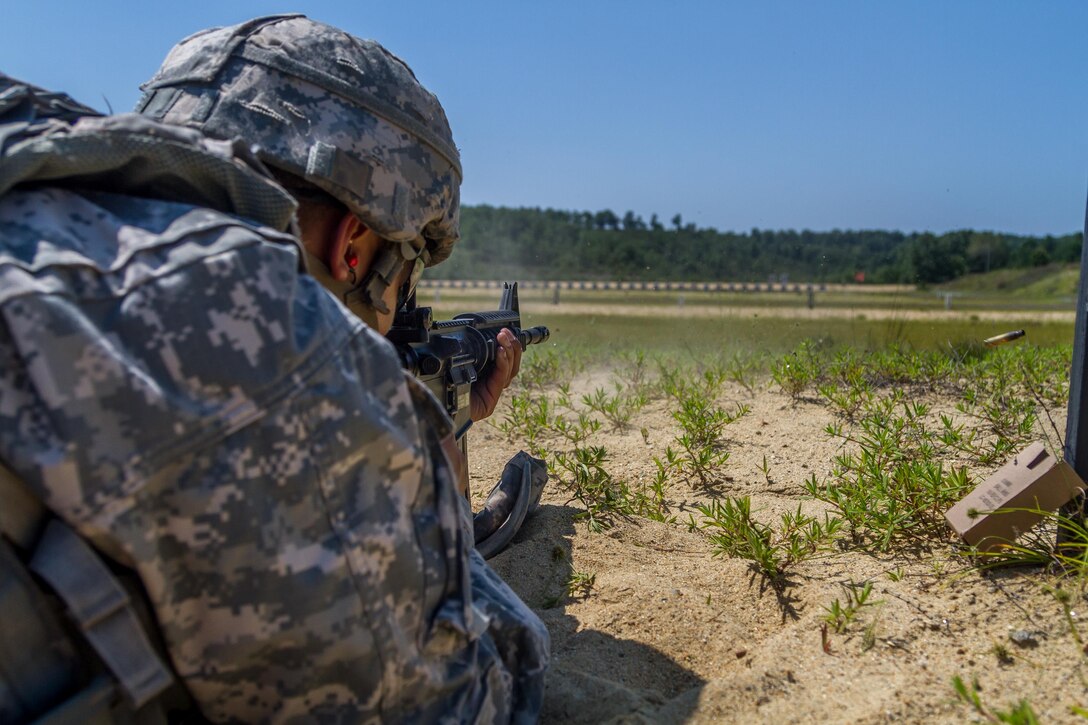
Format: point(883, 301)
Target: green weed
point(700, 450)
point(591, 485)
point(583, 474)
point(580, 584)
point(841, 614)
point(734, 532)
point(1002, 654)
point(868, 637)
point(744, 370)
point(1065, 599)
point(616, 409)
point(766, 469)
point(893, 483)
point(1040, 547)
point(1020, 714)
point(575, 584)
point(534, 418)
point(797, 370)
point(633, 370)
point(542, 369)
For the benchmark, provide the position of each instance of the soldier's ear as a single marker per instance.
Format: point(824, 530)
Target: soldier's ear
point(347, 251)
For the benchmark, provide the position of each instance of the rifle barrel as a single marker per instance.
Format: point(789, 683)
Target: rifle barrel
point(533, 336)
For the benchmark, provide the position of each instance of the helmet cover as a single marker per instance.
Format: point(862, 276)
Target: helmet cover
point(342, 113)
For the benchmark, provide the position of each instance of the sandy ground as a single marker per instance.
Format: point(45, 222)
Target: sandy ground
point(669, 633)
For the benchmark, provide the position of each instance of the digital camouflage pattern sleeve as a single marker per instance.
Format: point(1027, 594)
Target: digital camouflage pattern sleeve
point(178, 392)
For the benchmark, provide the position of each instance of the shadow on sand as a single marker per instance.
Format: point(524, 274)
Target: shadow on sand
point(594, 677)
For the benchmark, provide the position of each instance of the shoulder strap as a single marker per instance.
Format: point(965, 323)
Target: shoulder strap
point(38, 661)
point(93, 597)
point(101, 608)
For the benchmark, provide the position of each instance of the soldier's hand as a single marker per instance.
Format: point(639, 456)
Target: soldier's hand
point(485, 395)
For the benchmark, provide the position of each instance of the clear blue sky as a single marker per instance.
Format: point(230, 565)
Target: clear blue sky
point(910, 115)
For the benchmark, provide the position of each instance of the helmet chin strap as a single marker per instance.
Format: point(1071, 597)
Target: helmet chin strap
point(353, 296)
point(383, 270)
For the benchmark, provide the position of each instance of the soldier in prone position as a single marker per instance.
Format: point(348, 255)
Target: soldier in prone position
point(214, 434)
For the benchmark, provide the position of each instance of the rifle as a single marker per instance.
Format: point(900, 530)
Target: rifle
point(449, 356)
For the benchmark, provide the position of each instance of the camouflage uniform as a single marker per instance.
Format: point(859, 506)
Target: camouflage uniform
point(174, 388)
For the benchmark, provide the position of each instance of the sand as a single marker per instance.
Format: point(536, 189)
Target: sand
point(670, 633)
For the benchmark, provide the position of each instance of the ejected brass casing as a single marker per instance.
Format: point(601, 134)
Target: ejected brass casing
point(1003, 338)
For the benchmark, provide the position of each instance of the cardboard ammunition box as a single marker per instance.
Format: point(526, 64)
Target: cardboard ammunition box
point(1034, 479)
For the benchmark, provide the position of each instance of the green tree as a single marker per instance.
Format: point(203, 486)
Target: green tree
point(986, 251)
point(632, 222)
point(936, 259)
point(606, 219)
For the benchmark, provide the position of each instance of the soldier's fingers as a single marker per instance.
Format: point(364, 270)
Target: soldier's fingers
point(516, 365)
point(503, 360)
point(513, 348)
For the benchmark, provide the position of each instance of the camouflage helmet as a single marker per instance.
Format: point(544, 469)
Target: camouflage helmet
point(343, 113)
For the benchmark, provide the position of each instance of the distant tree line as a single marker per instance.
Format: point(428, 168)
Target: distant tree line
point(532, 243)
